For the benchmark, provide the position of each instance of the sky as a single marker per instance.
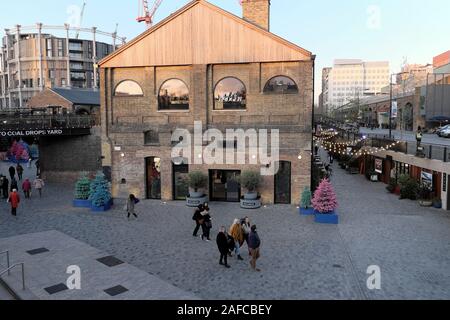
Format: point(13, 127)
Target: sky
point(387, 30)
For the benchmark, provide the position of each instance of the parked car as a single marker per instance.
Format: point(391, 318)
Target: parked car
point(444, 133)
point(440, 130)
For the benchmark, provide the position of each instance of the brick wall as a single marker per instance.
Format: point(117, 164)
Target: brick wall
point(48, 98)
point(257, 12)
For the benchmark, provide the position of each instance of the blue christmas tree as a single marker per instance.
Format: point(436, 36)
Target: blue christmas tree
point(100, 193)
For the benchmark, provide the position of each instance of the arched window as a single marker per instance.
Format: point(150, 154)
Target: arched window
point(173, 95)
point(281, 85)
point(230, 94)
point(128, 88)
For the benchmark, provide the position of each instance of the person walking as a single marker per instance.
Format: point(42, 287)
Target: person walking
point(14, 200)
point(39, 184)
point(254, 243)
point(131, 203)
point(19, 170)
point(12, 172)
point(246, 228)
point(38, 168)
point(207, 224)
point(222, 244)
point(238, 235)
point(5, 187)
point(198, 218)
point(14, 185)
point(26, 187)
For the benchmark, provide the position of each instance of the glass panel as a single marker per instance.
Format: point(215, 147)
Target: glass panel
point(180, 180)
point(218, 181)
point(233, 187)
point(230, 93)
point(128, 88)
point(225, 185)
point(153, 178)
point(281, 84)
point(173, 95)
point(283, 183)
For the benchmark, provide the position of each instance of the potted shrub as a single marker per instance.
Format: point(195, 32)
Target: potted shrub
point(408, 188)
point(392, 185)
point(82, 192)
point(305, 203)
point(325, 204)
point(424, 195)
point(100, 194)
point(437, 203)
point(197, 183)
point(250, 181)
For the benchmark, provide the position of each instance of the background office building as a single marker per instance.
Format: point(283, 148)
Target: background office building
point(350, 80)
point(31, 60)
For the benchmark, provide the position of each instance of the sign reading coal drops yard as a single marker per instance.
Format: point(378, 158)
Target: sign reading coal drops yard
point(32, 133)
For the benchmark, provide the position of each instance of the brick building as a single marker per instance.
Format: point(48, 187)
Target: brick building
point(205, 64)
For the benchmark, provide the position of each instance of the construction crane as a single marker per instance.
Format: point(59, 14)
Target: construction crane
point(81, 19)
point(145, 14)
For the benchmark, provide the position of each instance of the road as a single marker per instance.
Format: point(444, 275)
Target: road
point(432, 139)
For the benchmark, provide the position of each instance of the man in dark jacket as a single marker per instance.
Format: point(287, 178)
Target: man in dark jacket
point(197, 217)
point(222, 244)
point(254, 243)
point(12, 172)
point(5, 187)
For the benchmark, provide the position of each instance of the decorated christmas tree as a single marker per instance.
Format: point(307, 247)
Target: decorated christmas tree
point(82, 188)
point(305, 202)
point(324, 198)
point(100, 193)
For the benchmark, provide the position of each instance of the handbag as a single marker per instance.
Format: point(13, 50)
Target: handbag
point(208, 224)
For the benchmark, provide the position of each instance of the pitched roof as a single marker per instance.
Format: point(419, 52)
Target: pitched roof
point(79, 96)
point(200, 33)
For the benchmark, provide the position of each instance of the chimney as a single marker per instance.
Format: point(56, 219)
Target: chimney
point(257, 12)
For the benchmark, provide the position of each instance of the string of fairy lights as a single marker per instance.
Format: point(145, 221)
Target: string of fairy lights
point(342, 148)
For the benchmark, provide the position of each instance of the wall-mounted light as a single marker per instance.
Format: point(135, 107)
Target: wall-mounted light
point(122, 155)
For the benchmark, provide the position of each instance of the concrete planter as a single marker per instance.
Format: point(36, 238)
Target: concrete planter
point(196, 201)
point(251, 204)
point(326, 218)
point(425, 203)
point(251, 195)
point(306, 211)
point(198, 194)
point(77, 203)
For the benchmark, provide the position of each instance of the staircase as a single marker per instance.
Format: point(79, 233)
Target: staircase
point(9, 281)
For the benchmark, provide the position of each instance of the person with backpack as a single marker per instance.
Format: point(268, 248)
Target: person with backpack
point(198, 218)
point(130, 206)
point(254, 242)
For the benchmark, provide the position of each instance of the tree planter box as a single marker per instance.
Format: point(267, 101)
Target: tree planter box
point(306, 211)
point(104, 208)
point(195, 202)
point(250, 204)
point(77, 203)
point(328, 218)
point(425, 203)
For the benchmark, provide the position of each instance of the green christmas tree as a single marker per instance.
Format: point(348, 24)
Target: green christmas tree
point(305, 202)
point(82, 188)
point(100, 193)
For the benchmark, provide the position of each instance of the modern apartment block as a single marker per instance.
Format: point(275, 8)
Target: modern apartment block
point(350, 79)
point(204, 64)
point(31, 60)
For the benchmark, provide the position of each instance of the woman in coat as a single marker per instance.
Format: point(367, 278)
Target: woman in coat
point(131, 203)
point(207, 224)
point(238, 235)
point(246, 228)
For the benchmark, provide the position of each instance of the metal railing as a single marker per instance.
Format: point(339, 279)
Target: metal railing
point(7, 258)
point(30, 122)
point(12, 267)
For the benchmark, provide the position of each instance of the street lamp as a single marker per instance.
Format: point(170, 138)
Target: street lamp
point(391, 101)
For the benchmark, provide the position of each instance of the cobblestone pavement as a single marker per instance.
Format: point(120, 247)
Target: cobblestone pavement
point(299, 259)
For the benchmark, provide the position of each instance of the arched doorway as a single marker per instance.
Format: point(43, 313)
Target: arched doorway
point(153, 177)
point(283, 183)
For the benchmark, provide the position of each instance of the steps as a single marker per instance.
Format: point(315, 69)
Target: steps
point(5, 294)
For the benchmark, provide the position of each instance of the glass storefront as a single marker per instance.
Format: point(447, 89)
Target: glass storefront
point(180, 181)
point(153, 173)
point(224, 185)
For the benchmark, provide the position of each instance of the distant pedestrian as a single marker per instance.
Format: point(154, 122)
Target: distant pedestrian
point(254, 243)
point(238, 235)
point(5, 187)
point(222, 245)
point(198, 218)
point(316, 150)
point(330, 156)
point(39, 184)
point(130, 206)
point(14, 200)
point(207, 224)
point(246, 228)
point(14, 184)
point(29, 163)
point(26, 187)
point(38, 167)
point(19, 170)
point(12, 172)
point(419, 137)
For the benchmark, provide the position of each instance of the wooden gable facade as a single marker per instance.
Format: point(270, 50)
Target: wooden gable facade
point(201, 33)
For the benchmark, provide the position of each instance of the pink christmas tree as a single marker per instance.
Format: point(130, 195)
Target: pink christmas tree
point(19, 151)
point(13, 150)
point(324, 198)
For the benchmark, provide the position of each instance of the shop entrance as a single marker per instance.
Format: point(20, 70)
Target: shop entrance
point(180, 181)
point(224, 185)
point(283, 183)
point(153, 177)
